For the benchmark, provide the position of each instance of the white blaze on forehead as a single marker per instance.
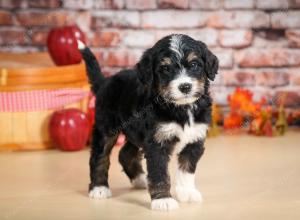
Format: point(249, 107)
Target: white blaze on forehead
point(180, 79)
point(175, 44)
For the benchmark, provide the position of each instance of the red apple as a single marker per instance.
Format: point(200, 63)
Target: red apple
point(69, 129)
point(62, 45)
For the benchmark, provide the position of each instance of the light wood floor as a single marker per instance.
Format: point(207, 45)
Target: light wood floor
point(240, 177)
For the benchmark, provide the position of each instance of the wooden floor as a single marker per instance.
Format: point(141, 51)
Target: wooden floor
point(240, 177)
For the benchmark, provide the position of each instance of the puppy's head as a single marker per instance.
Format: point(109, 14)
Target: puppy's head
point(178, 68)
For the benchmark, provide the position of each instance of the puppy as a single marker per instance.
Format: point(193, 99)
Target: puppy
point(161, 105)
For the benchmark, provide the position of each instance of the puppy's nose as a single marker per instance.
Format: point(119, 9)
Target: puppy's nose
point(185, 87)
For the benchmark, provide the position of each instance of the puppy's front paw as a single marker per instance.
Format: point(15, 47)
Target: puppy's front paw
point(164, 204)
point(188, 194)
point(100, 192)
point(140, 182)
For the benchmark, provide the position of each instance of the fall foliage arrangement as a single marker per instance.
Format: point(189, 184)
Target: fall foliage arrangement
point(258, 118)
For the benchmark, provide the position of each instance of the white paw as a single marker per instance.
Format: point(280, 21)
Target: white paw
point(100, 192)
point(165, 204)
point(140, 182)
point(188, 194)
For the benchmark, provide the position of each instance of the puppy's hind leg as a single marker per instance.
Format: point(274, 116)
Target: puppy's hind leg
point(130, 158)
point(102, 145)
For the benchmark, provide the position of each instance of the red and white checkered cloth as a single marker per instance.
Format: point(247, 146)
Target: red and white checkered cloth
point(38, 100)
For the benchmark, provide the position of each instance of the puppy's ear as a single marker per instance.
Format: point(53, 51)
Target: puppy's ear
point(145, 69)
point(211, 62)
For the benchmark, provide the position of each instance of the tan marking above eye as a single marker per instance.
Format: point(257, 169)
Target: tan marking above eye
point(191, 57)
point(165, 61)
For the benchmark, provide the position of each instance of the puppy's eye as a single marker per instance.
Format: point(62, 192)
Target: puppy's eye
point(194, 66)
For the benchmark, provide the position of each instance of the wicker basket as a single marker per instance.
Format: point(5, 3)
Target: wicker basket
point(34, 72)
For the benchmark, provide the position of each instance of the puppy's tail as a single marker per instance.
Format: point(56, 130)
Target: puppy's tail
point(93, 69)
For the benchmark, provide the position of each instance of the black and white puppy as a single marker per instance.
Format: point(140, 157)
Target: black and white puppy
point(162, 105)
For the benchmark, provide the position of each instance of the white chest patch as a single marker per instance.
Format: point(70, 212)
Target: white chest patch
point(190, 133)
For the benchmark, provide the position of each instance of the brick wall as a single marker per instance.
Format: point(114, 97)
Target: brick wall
point(257, 41)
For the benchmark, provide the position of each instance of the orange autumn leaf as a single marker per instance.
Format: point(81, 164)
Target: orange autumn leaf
point(241, 101)
point(240, 98)
point(233, 120)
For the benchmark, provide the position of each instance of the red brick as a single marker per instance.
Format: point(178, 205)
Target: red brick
point(285, 19)
point(5, 18)
point(272, 4)
point(294, 3)
point(11, 37)
point(45, 3)
point(105, 38)
point(141, 39)
point(220, 94)
point(181, 4)
point(116, 19)
point(238, 4)
point(294, 76)
point(173, 19)
point(208, 35)
point(262, 92)
point(225, 58)
point(100, 55)
point(272, 78)
point(293, 37)
point(39, 37)
point(110, 71)
point(292, 97)
point(39, 18)
point(235, 38)
point(117, 58)
point(82, 18)
point(204, 4)
point(218, 79)
point(239, 19)
point(238, 78)
point(134, 56)
point(121, 58)
point(164, 32)
point(272, 35)
point(78, 4)
point(13, 3)
point(264, 42)
point(13, 48)
point(109, 4)
point(138, 4)
point(268, 57)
